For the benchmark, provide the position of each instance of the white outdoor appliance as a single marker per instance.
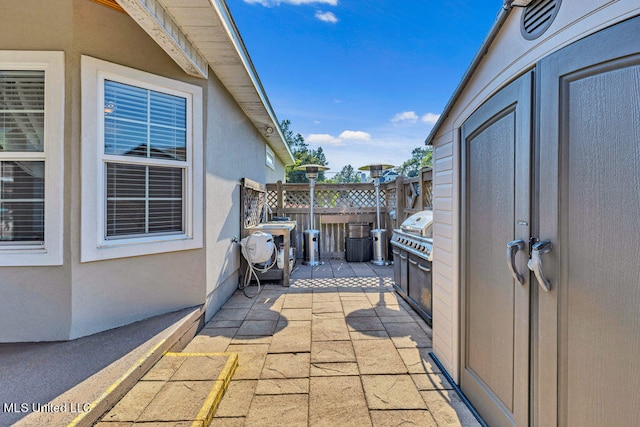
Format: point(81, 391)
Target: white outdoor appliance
point(378, 235)
point(311, 237)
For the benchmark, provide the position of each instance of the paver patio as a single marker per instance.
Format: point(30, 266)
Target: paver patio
point(338, 347)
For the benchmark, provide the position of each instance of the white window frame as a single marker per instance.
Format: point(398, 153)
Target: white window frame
point(51, 251)
point(270, 158)
point(94, 245)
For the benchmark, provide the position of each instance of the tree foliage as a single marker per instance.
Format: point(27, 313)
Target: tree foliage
point(346, 175)
point(420, 158)
point(302, 154)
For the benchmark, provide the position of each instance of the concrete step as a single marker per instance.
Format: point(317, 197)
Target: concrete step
point(103, 368)
point(181, 389)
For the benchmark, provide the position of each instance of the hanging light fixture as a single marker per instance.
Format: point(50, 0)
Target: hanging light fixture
point(311, 237)
point(378, 235)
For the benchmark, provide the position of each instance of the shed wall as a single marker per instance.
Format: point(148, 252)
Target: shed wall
point(509, 56)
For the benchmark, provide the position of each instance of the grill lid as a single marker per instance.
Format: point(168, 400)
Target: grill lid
point(419, 223)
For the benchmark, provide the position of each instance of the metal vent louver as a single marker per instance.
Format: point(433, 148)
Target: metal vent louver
point(537, 18)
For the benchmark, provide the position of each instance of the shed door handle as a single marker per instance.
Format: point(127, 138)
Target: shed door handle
point(535, 263)
point(512, 249)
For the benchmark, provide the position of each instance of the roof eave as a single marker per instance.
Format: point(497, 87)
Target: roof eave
point(475, 63)
point(170, 30)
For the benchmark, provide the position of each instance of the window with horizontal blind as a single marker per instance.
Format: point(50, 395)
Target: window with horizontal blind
point(148, 178)
point(31, 133)
point(142, 125)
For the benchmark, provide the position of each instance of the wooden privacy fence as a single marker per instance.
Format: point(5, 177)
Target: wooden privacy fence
point(337, 205)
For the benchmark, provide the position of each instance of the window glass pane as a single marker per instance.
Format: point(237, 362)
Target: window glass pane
point(126, 181)
point(168, 110)
point(165, 216)
point(125, 102)
point(136, 118)
point(143, 200)
point(125, 138)
point(21, 202)
point(22, 111)
point(168, 143)
point(125, 217)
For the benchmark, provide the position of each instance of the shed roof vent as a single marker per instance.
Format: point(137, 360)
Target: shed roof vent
point(537, 18)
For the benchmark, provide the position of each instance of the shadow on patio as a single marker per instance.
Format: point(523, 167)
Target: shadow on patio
point(338, 347)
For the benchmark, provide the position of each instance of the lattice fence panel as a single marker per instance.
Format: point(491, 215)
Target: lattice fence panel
point(296, 199)
point(428, 193)
point(334, 199)
point(272, 199)
point(253, 203)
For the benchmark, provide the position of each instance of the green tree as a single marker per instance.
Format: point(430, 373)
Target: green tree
point(420, 158)
point(302, 154)
point(347, 174)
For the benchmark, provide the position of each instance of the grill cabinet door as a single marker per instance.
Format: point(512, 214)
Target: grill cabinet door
point(495, 317)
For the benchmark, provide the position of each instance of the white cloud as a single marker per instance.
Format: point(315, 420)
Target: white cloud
point(269, 3)
point(326, 17)
point(405, 116)
point(323, 138)
point(430, 118)
point(355, 135)
point(340, 140)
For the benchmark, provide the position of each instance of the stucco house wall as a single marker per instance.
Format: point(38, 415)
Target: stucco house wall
point(80, 298)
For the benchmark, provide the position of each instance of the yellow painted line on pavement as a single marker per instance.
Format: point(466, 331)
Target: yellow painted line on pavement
point(117, 383)
point(210, 405)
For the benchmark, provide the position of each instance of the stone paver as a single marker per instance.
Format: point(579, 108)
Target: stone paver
point(278, 410)
point(336, 401)
point(294, 338)
point(236, 400)
point(287, 365)
point(329, 329)
point(418, 418)
point(448, 410)
point(283, 386)
point(339, 347)
point(250, 360)
point(378, 357)
point(392, 392)
point(332, 351)
point(177, 401)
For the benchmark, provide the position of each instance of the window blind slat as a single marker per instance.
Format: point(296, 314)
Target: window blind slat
point(21, 202)
point(21, 90)
point(125, 138)
point(144, 200)
point(141, 122)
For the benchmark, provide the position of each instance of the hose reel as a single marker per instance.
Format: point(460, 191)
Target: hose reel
point(260, 252)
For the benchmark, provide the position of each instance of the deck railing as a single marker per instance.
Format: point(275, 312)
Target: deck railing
point(337, 205)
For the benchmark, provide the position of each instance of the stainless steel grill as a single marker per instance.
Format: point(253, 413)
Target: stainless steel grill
point(415, 235)
point(413, 252)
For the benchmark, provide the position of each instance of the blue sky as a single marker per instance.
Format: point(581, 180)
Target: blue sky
point(365, 80)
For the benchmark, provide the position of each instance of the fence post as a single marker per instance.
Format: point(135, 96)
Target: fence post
point(279, 203)
point(399, 200)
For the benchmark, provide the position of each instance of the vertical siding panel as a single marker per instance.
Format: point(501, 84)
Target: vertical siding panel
point(446, 253)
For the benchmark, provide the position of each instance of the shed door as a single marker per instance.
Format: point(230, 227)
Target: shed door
point(496, 194)
point(589, 323)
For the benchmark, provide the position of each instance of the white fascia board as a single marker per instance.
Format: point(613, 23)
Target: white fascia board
point(229, 25)
point(156, 21)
